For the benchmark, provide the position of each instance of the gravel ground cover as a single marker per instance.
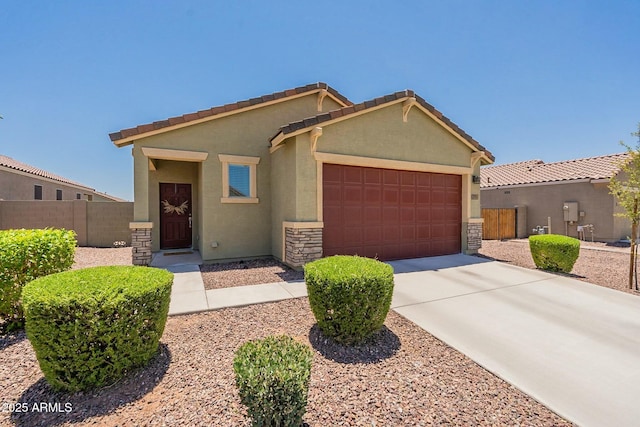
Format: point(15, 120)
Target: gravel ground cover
point(598, 263)
point(95, 257)
point(406, 377)
point(241, 273)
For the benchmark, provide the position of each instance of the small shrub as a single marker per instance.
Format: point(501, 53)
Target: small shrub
point(350, 296)
point(24, 256)
point(90, 327)
point(272, 376)
point(554, 252)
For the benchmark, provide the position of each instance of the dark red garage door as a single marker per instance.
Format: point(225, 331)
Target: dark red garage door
point(390, 214)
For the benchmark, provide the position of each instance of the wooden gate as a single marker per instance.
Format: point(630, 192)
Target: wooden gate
point(499, 224)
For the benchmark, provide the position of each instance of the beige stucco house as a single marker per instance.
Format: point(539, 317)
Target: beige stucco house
point(304, 173)
point(20, 181)
point(570, 196)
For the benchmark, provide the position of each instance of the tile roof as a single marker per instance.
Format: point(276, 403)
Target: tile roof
point(23, 167)
point(352, 109)
point(537, 171)
point(185, 118)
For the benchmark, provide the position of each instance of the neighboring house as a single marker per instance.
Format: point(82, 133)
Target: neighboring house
point(20, 181)
point(305, 173)
point(572, 193)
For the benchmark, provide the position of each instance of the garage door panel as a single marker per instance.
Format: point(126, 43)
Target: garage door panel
point(353, 236)
point(407, 214)
point(407, 196)
point(390, 195)
point(390, 177)
point(390, 234)
point(407, 250)
point(331, 173)
point(372, 215)
point(408, 232)
point(452, 198)
point(372, 235)
point(390, 252)
point(437, 196)
point(438, 215)
point(390, 214)
point(423, 196)
point(352, 215)
point(333, 214)
point(352, 175)
point(352, 194)
point(372, 176)
point(372, 194)
point(423, 232)
point(407, 178)
point(423, 215)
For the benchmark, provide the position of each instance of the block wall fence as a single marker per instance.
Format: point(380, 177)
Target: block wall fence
point(97, 224)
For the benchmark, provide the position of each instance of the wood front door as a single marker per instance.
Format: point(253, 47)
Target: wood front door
point(175, 215)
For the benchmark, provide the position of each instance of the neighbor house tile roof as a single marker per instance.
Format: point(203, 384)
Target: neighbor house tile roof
point(185, 118)
point(10, 163)
point(353, 109)
point(537, 171)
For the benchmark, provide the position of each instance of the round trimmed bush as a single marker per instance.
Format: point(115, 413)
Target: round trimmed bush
point(272, 376)
point(350, 296)
point(554, 252)
point(90, 327)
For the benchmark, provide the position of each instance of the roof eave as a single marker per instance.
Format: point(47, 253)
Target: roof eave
point(121, 141)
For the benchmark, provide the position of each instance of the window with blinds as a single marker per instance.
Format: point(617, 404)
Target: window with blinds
point(239, 181)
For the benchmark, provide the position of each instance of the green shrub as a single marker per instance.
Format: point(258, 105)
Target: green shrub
point(90, 327)
point(350, 296)
point(272, 376)
point(24, 256)
point(554, 252)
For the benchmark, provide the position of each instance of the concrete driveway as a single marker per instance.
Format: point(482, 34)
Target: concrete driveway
point(573, 346)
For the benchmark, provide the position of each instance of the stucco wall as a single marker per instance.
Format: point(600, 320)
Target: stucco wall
point(544, 201)
point(283, 201)
point(380, 134)
point(239, 230)
point(97, 224)
point(15, 185)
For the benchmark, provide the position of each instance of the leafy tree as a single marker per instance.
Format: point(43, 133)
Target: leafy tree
point(625, 186)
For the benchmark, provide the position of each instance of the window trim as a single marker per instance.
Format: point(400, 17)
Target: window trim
point(250, 161)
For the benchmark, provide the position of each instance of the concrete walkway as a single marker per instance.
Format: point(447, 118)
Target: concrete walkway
point(573, 346)
point(188, 294)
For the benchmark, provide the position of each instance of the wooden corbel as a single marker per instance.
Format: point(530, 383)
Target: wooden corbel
point(475, 157)
point(315, 133)
point(152, 165)
point(406, 106)
point(321, 96)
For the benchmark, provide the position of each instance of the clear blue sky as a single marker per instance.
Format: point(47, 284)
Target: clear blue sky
point(552, 80)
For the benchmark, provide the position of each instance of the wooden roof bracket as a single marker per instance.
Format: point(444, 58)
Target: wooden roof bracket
point(475, 157)
point(321, 95)
point(315, 133)
point(406, 106)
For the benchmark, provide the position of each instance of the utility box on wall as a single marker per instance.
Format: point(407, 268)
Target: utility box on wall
point(570, 211)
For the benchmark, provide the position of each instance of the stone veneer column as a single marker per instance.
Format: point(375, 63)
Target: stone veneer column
point(141, 242)
point(474, 235)
point(302, 242)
